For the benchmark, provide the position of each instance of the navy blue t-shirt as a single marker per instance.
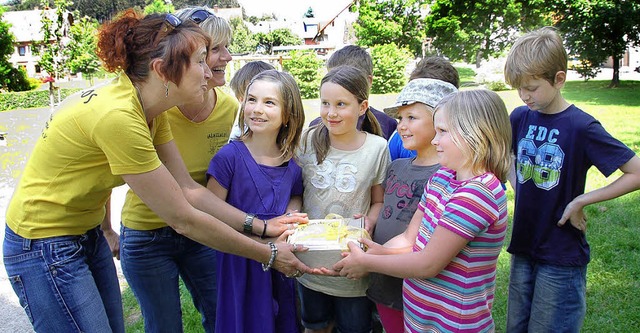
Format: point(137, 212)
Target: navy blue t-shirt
point(553, 154)
point(387, 123)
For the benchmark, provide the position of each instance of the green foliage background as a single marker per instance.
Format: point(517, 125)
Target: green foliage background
point(389, 63)
point(305, 67)
point(29, 99)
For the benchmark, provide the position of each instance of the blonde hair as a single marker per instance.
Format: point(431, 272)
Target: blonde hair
point(291, 106)
point(479, 124)
point(356, 82)
point(537, 54)
point(217, 27)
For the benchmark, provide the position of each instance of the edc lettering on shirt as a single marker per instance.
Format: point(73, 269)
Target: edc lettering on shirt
point(539, 158)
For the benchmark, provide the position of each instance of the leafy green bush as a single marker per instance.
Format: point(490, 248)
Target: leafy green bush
point(305, 68)
point(497, 85)
point(29, 99)
point(389, 64)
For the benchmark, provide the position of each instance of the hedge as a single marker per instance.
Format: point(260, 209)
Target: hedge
point(30, 99)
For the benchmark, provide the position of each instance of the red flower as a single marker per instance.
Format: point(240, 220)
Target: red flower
point(48, 79)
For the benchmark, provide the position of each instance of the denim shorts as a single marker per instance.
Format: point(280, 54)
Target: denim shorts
point(545, 298)
point(351, 314)
point(66, 283)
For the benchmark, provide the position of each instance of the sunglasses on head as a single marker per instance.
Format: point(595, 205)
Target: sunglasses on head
point(200, 15)
point(173, 20)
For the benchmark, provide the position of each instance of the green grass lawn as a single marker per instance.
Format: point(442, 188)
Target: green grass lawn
point(613, 280)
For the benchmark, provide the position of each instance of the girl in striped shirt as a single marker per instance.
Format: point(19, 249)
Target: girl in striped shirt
point(448, 254)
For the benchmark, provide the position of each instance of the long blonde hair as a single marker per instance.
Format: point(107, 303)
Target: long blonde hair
point(480, 127)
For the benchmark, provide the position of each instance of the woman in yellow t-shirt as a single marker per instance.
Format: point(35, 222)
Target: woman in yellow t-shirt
point(57, 258)
point(154, 256)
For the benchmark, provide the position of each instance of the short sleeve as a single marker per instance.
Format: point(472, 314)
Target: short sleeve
point(221, 165)
point(126, 142)
point(605, 152)
point(470, 210)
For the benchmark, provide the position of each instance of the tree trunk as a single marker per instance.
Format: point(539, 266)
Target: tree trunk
point(478, 58)
point(51, 103)
point(615, 81)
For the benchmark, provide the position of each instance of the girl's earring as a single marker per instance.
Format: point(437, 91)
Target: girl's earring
point(166, 89)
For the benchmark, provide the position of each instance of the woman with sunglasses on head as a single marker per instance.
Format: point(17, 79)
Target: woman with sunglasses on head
point(55, 255)
point(154, 256)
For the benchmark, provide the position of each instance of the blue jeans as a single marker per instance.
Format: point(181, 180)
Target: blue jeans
point(545, 298)
point(66, 283)
point(351, 314)
point(152, 262)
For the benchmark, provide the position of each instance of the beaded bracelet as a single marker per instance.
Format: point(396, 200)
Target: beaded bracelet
point(274, 253)
point(264, 231)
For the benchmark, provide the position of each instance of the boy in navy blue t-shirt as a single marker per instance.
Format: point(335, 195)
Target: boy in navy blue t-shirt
point(554, 143)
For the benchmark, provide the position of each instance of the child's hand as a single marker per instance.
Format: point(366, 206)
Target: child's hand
point(574, 212)
point(351, 264)
point(371, 246)
point(368, 226)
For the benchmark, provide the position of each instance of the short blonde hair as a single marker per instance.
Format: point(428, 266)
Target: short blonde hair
point(538, 54)
point(217, 27)
point(480, 127)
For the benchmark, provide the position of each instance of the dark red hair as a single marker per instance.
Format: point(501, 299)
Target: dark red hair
point(130, 42)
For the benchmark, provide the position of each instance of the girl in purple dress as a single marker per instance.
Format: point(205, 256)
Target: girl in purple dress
point(257, 174)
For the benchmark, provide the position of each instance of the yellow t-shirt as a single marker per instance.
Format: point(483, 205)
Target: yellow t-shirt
point(96, 136)
point(197, 143)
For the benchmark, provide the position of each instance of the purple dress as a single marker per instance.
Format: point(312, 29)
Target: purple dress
point(249, 299)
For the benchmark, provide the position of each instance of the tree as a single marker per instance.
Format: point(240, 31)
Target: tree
point(82, 49)
point(103, 10)
point(389, 68)
point(242, 40)
point(52, 48)
point(277, 37)
point(473, 31)
point(11, 78)
point(305, 68)
point(159, 6)
point(597, 29)
point(391, 21)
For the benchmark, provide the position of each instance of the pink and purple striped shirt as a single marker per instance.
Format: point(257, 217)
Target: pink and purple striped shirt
point(459, 298)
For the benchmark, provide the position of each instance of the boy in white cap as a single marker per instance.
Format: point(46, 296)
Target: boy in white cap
point(404, 184)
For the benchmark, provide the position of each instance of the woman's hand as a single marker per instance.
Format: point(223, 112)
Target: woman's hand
point(277, 225)
point(114, 242)
point(286, 262)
